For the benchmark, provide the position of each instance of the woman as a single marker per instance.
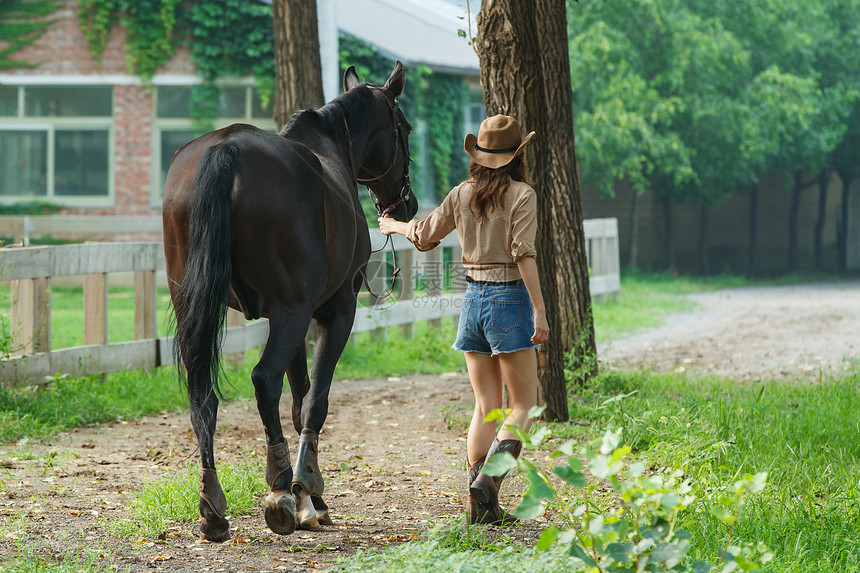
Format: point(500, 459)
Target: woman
point(503, 317)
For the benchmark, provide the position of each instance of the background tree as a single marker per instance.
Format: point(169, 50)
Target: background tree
point(297, 58)
point(512, 77)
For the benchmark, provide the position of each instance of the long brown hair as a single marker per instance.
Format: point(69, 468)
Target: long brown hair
point(490, 185)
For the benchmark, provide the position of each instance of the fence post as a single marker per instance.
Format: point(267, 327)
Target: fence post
point(376, 278)
point(435, 280)
point(145, 307)
point(235, 318)
point(458, 276)
point(407, 280)
point(30, 316)
point(95, 308)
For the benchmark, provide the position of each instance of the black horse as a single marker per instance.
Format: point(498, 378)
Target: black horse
point(272, 225)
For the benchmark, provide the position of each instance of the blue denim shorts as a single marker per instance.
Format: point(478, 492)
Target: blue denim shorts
point(495, 319)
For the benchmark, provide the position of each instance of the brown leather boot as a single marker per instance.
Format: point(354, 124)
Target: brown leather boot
point(484, 489)
point(473, 512)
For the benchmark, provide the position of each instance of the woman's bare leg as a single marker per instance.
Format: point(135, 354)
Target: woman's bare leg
point(486, 379)
point(519, 370)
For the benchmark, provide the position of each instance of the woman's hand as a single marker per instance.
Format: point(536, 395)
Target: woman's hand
point(541, 328)
point(389, 226)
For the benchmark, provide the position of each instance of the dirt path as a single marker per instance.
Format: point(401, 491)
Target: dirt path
point(781, 332)
point(390, 460)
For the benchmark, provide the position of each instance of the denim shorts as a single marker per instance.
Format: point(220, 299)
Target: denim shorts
point(495, 319)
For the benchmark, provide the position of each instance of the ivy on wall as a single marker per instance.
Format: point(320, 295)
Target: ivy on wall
point(226, 37)
point(21, 23)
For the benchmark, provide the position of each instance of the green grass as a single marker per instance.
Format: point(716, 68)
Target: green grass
point(174, 498)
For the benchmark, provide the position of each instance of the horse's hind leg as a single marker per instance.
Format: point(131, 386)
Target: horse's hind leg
point(286, 336)
point(333, 331)
point(213, 505)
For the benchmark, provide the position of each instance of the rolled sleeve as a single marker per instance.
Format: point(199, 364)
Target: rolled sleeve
point(428, 233)
point(524, 227)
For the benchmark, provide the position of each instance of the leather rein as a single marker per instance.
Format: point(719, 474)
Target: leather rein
point(405, 189)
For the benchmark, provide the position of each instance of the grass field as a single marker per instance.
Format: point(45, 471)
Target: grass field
point(803, 434)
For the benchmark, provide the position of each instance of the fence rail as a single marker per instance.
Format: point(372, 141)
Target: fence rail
point(29, 271)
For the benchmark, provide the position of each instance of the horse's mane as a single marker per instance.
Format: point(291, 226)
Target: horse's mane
point(331, 115)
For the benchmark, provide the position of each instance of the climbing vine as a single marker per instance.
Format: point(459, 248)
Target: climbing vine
point(438, 98)
point(226, 37)
point(21, 23)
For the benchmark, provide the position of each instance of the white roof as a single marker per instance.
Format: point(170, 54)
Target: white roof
point(414, 31)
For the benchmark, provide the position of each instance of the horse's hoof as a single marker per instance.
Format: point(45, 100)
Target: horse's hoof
point(307, 515)
point(321, 508)
point(215, 530)
point(281, 512)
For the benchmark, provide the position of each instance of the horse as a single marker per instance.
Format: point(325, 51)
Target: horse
point(271, 225)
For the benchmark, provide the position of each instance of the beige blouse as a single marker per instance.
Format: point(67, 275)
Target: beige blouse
point(491, 248)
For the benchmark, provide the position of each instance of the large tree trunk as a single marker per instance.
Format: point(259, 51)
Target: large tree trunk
point(633, 250)
point(704, 219)
point(574, 292)
point(668, 234)
point(752, 260)
point(297, 57)
point(511, 78)
point(792, 221)
point(843, 226)
point(823, 180)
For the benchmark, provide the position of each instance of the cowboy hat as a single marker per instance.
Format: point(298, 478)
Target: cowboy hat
point(497, 143)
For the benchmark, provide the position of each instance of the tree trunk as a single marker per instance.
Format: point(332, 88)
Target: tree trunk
point(668, 234)
point(792, 221)
point(511, 78)
point(703, 240)
point(842, 227)
point(823, 180)
point(752, 261)
point(574, 291)
point(633, 251)
point(297, 57)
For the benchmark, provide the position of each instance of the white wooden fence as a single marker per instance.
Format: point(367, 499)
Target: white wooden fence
point(29, 271)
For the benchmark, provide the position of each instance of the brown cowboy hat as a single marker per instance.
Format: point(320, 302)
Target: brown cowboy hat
point(497, 143)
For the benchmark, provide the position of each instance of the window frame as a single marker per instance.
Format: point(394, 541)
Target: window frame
point(167, 124)
point(51, 125)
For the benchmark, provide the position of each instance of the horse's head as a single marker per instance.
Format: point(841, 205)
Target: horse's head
point(385, 167)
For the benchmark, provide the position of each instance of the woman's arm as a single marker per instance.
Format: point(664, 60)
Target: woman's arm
point(528, 270)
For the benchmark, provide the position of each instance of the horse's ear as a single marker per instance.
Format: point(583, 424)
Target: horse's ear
point(350, 79)
point(394, 85)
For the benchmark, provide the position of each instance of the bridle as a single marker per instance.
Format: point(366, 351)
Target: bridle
point(400, 141)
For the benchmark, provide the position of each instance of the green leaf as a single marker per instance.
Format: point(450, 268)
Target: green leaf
point(530, 507)
point(535, 412)
point(579, 553)
point(619, 552)
point(547, 538)
point(499, 464)
point(722, 513)
point(700, 567)
point(538, 485)
point(570, 476)
point(539, 436)
point(495, 416)
point(670, 500)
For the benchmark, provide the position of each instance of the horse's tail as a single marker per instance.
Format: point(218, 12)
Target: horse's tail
point(200, 306)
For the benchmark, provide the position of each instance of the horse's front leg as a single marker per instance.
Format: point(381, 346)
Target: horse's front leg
point(286, 341)
point(334, 324)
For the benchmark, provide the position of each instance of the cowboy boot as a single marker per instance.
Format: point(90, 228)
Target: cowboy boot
point(485, 489)
point(473, 512)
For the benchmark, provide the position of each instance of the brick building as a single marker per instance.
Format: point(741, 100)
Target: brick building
point(95, 138)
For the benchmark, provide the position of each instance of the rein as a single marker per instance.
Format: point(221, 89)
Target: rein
point(405, 189)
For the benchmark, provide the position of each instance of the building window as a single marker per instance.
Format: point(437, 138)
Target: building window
point(55, 143)
point(172, 125)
